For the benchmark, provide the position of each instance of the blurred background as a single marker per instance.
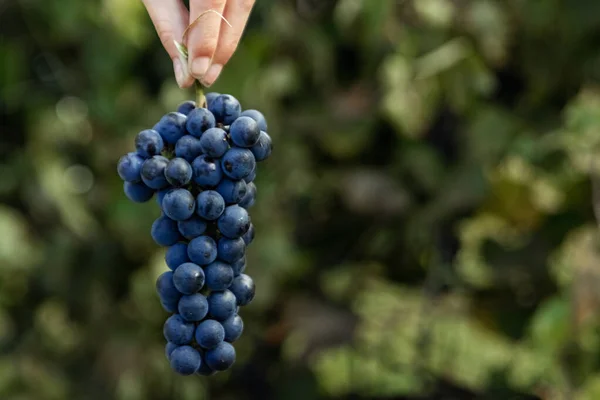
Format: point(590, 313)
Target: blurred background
point(425, 226)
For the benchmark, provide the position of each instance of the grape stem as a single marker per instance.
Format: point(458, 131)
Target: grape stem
point(200, 97)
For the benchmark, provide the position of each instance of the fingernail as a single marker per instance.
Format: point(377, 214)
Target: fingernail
point(212, 74)
point(199, 67)
point(179, 74)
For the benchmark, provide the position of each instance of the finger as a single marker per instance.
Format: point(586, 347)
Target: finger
point(170, 18)
point(204, 34)
point(237, 13)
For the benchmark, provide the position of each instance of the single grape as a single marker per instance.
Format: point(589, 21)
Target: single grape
point(153, 172)
point(210, 97)
point(210, 205)
point(258, 117)
point(225, 108)
point(243, 289)
point(199, 120)
point(188, 148)
point(178, 172)
point(179, 204)
point(218, 275)
point(130, 166)
point(250, 197)
point(193, 307)
point(202, 250)
point(166, 289)
point(238, 163)
point(204, 369)
point(192, 228)
point(207, 171)
point(160, 195)
point(187, 106)
point(185, 360)
point(233, 326)
point(249, 235)
point(209, 334)
point(221, 305)
point(251, 177)
point(149, 143)
point(230, 250)
point(234, 222)
point(214, 142)
point(238, 266)
point(164, 231)
point(169, 349)
point(171, 127)
point(263, 148)
point(232, 191)
point(221, 357)
point(244, 132)
point(137, 192)
point(176, 255)
point(188, 278)
point(178, 331)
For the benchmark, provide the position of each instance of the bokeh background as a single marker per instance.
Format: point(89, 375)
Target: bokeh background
point(425, 226)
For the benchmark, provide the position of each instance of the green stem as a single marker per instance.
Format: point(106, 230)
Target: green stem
point(200, 97)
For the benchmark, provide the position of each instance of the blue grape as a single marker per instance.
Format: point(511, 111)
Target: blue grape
point(164, 231)
point(258, 117)
point(171, 127)
point(178, 172)
point(233, 326)
point(222, 305)
point(186, 107)
point(130, 166)
point(238, 266)
point(232, 191)
point(166, 288)
point(169, 347)
point(176, 255)
point(169, 306)
point(225, 108)
point(178, 331)
point(234, 222)
point(149, 143)
point(153, 172)
point(179, 204)
point(193, 307)
point(207, 171)
point(214, 142)
point(230, 250)
point(188, 278)
point(243, 289)
point(204, 369)
point(221, 357)
point(238, 163)
point(160, 195)
point(192, 228)
point(210, 97)
point(218, 275)
point(185, 360)
point(263, 148)
point(137, 192)
point(209, 334)
point(251, 177)
point(250, 197)
point(249, 235)
point(200, 120)
point(202, 250)
point(210, 205)
point(188, 148)
point(244, 132)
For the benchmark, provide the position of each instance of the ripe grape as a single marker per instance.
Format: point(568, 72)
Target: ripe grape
point(221, 357)
point(243, 289)
point(214, 142)
point(149, 143)
point(185, 360)
point(193, 307)
point(179, 204)
point(192, 228)
point(258, 117)
point(207, 171)
point(230, 250)
point(153, 172)
point(210, 205)
point(263, 148)
point(249, 235)
point(178, 331)
point(225, 108)
point(219, 275)
point(233, 326)
point(188, 278)
point(186, 107)
point(176, 255)
point(169, 349)
point(199, 120)
point(209, 334)
point(238, 163)
point(239, 266)
point(202, 250)
point(188, 148)
point(244, 132)
point(164, 231)
point(166, 288)
point(178, 172)
point(232, 191)
point(210, 97)
point(222, 305)
point(130, 166)
point(250, 197)
point(234, 222)
point(137, 192)
point(171, 127)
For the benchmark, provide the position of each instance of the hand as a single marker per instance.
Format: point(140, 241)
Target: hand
point(210, 41)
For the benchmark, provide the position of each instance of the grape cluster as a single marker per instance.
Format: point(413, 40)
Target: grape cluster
point(201, 163)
